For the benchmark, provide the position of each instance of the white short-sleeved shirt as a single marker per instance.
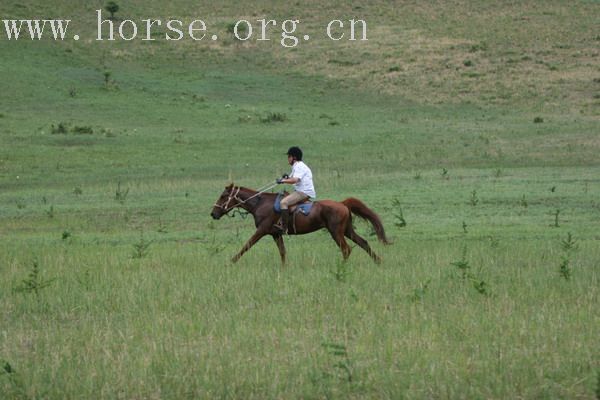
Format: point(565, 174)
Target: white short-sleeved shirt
point(305, 184)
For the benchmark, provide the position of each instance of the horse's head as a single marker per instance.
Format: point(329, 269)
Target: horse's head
point(224, 203)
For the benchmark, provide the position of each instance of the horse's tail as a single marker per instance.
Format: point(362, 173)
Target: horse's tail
point(359, 208)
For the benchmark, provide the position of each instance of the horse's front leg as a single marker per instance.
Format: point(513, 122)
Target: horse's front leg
point(255, 238)
point(281, 247)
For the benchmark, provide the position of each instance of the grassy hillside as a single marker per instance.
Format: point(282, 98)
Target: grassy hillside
point(476, 124)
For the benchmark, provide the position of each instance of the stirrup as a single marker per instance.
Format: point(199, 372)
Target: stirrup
point(279, 226)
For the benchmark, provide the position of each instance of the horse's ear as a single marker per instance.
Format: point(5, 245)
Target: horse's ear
point(229, 186)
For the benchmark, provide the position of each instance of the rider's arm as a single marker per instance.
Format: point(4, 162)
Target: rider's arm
point(291, 180)
point(294, 178)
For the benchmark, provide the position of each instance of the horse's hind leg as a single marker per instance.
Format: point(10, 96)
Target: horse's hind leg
point(356, 238)
point(337, 233)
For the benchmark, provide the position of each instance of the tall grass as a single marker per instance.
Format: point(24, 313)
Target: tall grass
point(447, 153)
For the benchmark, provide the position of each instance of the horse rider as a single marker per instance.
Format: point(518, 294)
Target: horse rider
point(301, 178)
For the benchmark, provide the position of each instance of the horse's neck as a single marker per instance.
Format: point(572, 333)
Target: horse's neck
point(252, 199)
point(247, 196)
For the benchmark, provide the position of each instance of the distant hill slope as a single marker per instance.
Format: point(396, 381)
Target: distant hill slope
point(537, 55)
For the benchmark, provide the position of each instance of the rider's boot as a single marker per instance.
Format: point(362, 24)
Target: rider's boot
point(282, 226)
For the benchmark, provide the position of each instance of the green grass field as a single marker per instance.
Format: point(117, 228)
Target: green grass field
point(475, 125)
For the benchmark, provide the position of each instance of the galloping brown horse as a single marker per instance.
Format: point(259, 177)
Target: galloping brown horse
point(335, 216)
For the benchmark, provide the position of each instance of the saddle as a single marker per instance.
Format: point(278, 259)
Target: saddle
point(303, 207)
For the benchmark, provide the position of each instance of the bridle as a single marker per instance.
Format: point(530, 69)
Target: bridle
point(233, 195)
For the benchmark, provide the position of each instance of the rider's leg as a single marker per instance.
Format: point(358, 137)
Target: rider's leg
point(286, 202)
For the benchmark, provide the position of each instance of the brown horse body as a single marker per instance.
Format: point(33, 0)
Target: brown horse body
point(335, 216)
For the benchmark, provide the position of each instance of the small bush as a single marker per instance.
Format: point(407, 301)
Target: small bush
point(274, 117)
point(82, 130)
point(34, 282)
point(494, 242)
point(112, 8)
point(241, 30)
point(61, 128)
point(343, 63)
point(141, 248)
point(478, 47)
point(64, 128)
point(400, 221)
point(556, 220)
point(230, 27)
point(121, 195)
point(463, 265)
point(468, 63)
point(341, 271)
point(398, 215)
point(538, 120)
point(162, 228)
point(568, 246)
point(419, 292)
point(108, 132)
point(6, 368)
point(474, 200)
point(565, 269)
point(466, 274)
point(107, 78)
point(343, 366)
point(523, 202)
point(481, 287)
